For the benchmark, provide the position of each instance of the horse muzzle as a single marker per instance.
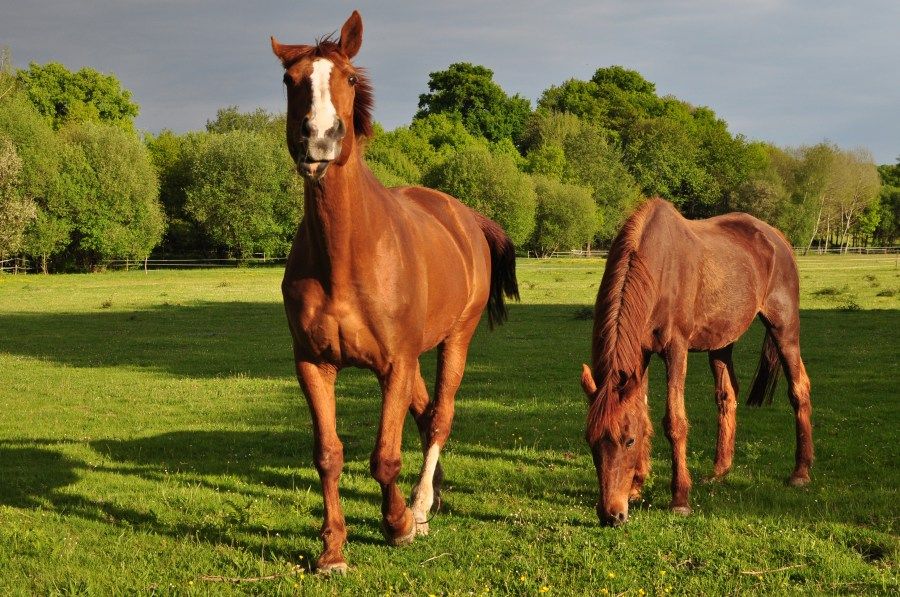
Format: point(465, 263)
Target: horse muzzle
point(313, 169)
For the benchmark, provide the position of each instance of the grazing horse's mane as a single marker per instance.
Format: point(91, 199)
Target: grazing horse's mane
point(622, 310)
point(327, 47)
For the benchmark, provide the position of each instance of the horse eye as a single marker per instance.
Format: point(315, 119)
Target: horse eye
point(352, 79)
point(629, 442)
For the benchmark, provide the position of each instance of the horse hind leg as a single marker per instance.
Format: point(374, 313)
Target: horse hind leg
point(451, 363)
point(431, 466)
point(787, 339)
point(722, 367)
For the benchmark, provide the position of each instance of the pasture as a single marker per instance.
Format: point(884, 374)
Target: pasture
point(153, 439)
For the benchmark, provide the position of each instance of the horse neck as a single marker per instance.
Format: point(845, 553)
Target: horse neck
point(340, 210)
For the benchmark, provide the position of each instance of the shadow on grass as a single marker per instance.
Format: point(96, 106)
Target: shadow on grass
point(521, 389)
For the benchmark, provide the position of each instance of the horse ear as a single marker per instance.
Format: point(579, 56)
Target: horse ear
point(279, 50)
point(351, 35)
point(287, 53)
point(587, 381)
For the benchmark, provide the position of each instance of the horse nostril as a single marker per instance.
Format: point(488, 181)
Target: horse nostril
point(305, 128)
point(339, 129)
point(620, 517)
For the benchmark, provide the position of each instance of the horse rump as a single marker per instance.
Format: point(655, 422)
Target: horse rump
point(503, 269)
point(767, 373)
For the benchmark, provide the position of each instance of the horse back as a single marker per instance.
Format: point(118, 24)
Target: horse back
point(713, 276)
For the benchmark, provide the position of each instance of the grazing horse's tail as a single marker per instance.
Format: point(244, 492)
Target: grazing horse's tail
point(766, 373)
point(503, 269)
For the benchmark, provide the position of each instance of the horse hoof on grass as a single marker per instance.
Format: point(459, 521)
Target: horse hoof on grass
point(404, 539)
point(422, 528)
point(798, 481)
point(681, 510)
point(332, 568)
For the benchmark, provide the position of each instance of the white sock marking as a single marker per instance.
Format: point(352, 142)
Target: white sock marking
point(425, 489)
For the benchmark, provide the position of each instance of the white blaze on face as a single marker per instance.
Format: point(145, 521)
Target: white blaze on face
point(322, 113)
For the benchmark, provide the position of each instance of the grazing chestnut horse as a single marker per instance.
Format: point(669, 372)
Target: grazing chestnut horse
point(671, 286)
point(375, 278)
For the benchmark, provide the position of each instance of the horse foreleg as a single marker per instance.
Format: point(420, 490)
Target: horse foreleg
point(317, 383)
point(451, 363)
point(726, 399)
point(643, 464)
point(398, 524)
point(676, 426)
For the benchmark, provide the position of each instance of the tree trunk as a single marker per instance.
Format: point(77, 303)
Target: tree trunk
point(816, 228)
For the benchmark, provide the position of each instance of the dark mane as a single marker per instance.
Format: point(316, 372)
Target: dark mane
point(327, 47)
point(622, 310)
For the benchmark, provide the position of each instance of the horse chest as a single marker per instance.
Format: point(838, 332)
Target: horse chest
point(329, 330)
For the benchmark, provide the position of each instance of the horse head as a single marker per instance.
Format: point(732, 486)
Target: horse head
point(329, 100)
point(618, 433)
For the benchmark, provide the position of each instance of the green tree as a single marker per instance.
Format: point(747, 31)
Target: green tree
point(243, 192)
point(15, 211)
point(231, 118)
point(888, 228)
point(64, 96)
point(469, 90)
point(566, 216)
point(184, 234)
point(491, 184)
point(574, 151)
point(119, 214)
point(47, 235)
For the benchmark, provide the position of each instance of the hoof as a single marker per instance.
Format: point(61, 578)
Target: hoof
point(798, 481)
point(404, 539)
point(422, 528)
point(332, 568)
point(681, 510)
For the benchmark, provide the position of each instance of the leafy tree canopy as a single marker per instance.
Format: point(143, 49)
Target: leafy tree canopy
point(64, 96)
point(485, 109)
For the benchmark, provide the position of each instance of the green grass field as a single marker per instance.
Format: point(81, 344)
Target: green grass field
point(152, 437)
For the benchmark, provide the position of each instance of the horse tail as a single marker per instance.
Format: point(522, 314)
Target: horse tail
point(503, 269)
point(766, 373)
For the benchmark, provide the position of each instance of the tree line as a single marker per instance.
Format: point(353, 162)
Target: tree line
point(79, 186)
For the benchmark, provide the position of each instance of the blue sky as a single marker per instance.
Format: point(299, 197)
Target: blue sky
point(789, 72)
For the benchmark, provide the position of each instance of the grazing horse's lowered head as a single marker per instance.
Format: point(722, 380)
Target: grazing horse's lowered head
point(618, 434)
point(329, 101)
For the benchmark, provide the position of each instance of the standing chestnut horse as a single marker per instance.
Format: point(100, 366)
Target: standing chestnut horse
point(375, 278)
point(671, 286)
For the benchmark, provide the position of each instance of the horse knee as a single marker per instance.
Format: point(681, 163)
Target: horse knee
point(676, 428)
point(330, 460)
point(726, 401)
point(384, 470)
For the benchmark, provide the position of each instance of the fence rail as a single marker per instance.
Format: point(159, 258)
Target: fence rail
point(15, 265)
point(19, 265)
point(894, 250)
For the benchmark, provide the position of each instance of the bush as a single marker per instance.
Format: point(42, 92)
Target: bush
point(490, 184)
point(566, 216)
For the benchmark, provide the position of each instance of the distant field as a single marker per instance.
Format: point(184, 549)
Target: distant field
point(152, 436)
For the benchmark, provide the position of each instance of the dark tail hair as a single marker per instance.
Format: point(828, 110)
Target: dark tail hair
point(503, 269)
point(766, 373)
